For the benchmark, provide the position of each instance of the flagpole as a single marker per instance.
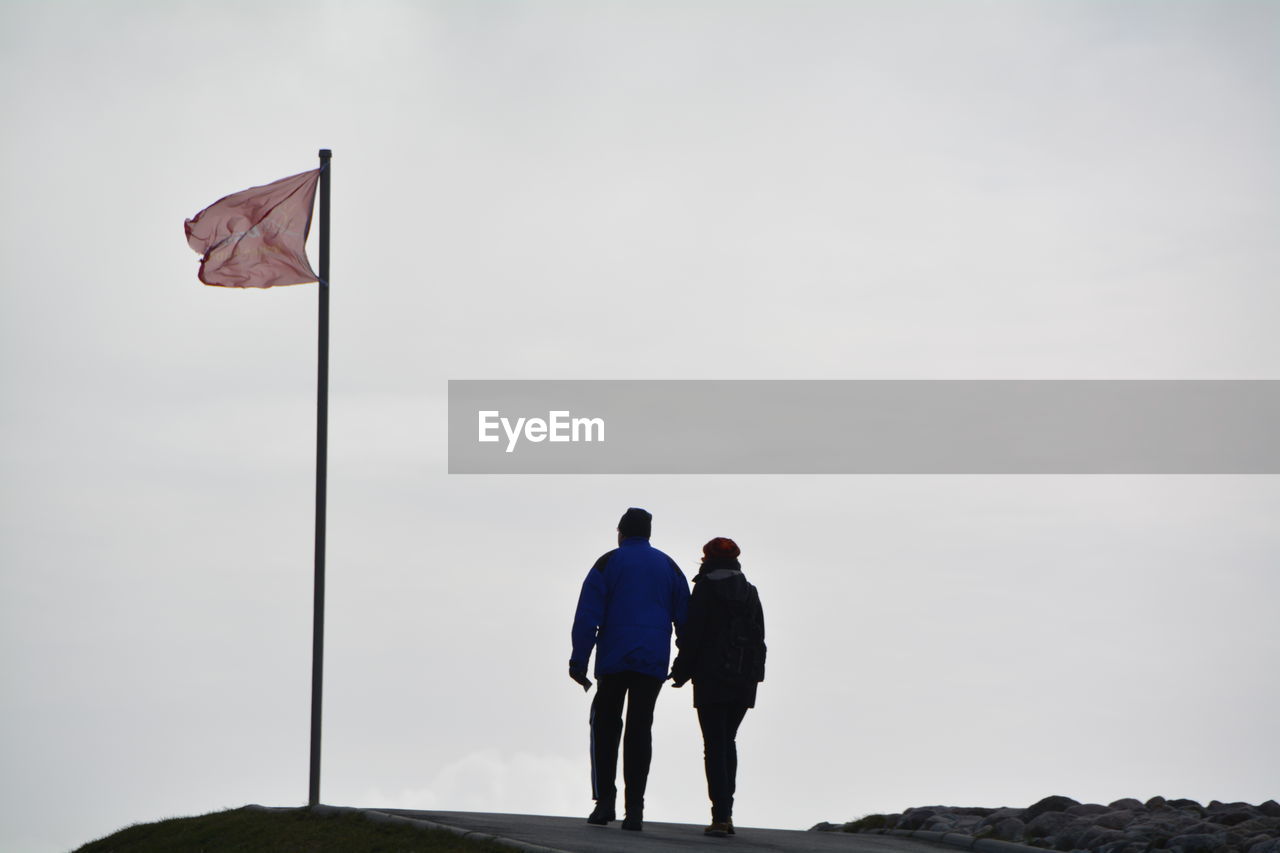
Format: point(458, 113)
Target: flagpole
point(322, 454)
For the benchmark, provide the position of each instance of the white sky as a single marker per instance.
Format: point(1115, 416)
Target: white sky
point(1030, 189)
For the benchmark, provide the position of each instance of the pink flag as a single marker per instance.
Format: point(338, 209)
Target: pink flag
point(257, 237)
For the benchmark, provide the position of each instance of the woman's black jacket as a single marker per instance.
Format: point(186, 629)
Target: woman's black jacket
point(722, 642)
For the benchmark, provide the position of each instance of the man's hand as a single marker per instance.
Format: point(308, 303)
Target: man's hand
point(579, 674)
point(678, 682)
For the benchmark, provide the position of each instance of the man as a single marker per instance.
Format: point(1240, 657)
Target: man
point(631, 598)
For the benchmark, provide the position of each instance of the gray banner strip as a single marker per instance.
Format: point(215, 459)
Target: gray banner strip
point(864, 427)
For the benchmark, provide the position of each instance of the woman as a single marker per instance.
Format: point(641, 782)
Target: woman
point(722, 650)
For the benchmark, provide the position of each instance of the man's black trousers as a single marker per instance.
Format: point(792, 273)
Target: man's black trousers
point(641, 694)
point(719, 722)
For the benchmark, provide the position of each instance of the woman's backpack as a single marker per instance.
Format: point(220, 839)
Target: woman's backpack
point(741, 645)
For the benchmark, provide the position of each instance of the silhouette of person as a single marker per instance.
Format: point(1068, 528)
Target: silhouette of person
point(630, 600)
point(722, 650)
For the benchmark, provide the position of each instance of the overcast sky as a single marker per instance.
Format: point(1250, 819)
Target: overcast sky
point(560, 190)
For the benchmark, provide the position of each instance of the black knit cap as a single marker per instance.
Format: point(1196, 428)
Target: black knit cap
point(635, 522)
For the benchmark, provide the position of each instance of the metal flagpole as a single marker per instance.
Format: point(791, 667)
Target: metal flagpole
point(322, 453)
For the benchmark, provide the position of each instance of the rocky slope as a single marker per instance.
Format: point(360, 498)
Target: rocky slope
point(1124, 826)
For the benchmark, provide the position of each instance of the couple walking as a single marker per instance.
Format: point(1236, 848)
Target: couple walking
point(630, 600)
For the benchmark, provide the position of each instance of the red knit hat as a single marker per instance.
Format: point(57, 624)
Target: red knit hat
point(721, 547)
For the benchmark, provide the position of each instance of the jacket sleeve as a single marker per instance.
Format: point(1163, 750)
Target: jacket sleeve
point(689, 638)
point(589, 615)
point(679, 599)
point(764, 649)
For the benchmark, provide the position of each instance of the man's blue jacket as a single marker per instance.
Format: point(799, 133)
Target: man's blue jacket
point(631, 598)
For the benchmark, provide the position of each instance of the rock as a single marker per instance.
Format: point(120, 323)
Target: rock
point(1268, 826)
point(915, 818)
point(1124, 845)
point(824, 826)
point(1202, 842)
point(1009, 829)
point(1125, 826)
point(1063, 845)
point(1096, 836)
point(1068, 838)
point(941, 823)
point(1047, 824)
point(1114, 820)
point(1149, 831)
point(1000, 814)
point(1229, 814)
point(1128, 803)
point(1229, 818)
point(1174, 819)
point(1088, 809)
point(1050, 804)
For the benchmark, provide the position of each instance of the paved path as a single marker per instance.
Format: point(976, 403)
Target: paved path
point(574, 835)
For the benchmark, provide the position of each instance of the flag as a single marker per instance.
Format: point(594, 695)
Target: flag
point(257, 237)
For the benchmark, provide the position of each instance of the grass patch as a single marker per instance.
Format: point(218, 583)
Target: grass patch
point(862, 824)
point(246, 830)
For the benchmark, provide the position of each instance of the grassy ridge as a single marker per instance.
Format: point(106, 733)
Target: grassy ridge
point(294, 831)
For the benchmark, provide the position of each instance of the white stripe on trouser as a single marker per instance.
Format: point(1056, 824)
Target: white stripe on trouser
point(595, 783)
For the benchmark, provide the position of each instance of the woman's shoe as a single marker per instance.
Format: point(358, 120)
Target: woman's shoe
point(601, 815)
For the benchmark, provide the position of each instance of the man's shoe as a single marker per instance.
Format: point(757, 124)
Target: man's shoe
point(601, 815)
point(730, 822)
point(633, 822)
point(719, 829)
